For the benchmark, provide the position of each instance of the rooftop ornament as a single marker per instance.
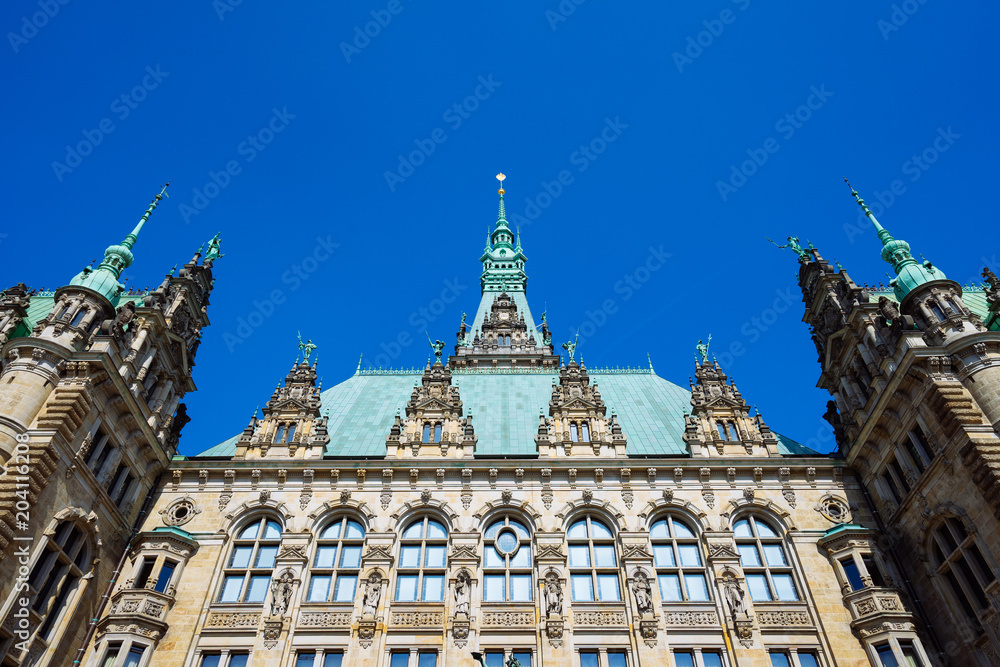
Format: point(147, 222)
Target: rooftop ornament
point(702, 348)
point(793, 243)
point(306, 348)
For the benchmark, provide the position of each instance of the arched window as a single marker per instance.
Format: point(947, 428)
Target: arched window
point(249, 568)
point(592, 562)
point(678, 560)
point(960, 562)
point(334, 574)
point(765, 563)
point(507, 562)
point(64, 559)
point(422, 562)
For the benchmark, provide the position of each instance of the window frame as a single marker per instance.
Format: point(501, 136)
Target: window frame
point(422, 571)
point(336, 570)
point(251, 570)
point(949, 564)
point(763, 567)
point(60, 567)
point(507, 570)
point(593, 570)
point(678, 569)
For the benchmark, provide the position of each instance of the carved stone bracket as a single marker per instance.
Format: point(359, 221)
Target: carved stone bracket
point(554, 631)
point(271, 633)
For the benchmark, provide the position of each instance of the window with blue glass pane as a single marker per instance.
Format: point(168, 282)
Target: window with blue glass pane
point(239, 659)
point(494, 659)
point(522, 657)
point(617, 659)
point(507, 562)
point(713, 658)
point(886, 656)
point(422, 562)
point(683, 659)
point(427, 660)
point(333, 659)
point(589, 659)
point(779, 659)
point(809, 659)
point(678, 562)
point(249, 565)
point(210, 660)
point(399, 659)
point(593, 563)
point(305, 660)
point(770, 577)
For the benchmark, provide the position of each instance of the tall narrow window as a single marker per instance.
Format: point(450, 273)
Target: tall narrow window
point(248, 571)
point(437, 432)
point(166, 574)
point(852, 573)
point(592, 561)
point(962, 565)
point(334, 575)
point(290, 436)
point(721, 428)
point(422, 562)
point(130, 658)
point(427, 433)
point(574, 432)
point(733, 433)
point(144, 572)
point(678, 561)
point(65, 559)
point(100, 447)
point(584, 432)
point(279, 435)
point(765, 563)
point(80, 314)
point(507, 562)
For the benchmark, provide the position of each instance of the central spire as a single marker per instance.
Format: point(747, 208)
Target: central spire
point(503, 263)
point(909, 273)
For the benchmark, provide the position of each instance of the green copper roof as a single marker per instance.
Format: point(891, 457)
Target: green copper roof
point(505, 409)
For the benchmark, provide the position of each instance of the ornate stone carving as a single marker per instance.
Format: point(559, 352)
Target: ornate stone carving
point(218, 619)
point(721, 551)
point(297, 551)
point(749, 493)
point(425, 496)
point(599, 618)
point(554, 631)
point(281, 593)
point(553, 595)
point(834, 509)
point(647, 630)
point(783, 618)
point(547, 498)
point(345, 495)
point(736, 599)
point(463, 593)
point(642, 592)
point(509, 619)
point(373, 592)
point(668, 495)
point(691, 618)
point(708, 495)
point(179, 512)
point(506, 496)
point(271, 633)
point(588, 495)
point(366, 632)
point(789, 496)
point(417, 619)
point(224, 498)
point(325, 619)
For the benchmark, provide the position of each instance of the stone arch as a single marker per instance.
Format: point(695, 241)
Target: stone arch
point(87, 520)
point(932, 517)
point(654, 508)
point(250, 508)
point(409, 510)
point(601, 508)
point(324, 512)
point(739, 506)
point(485, 514)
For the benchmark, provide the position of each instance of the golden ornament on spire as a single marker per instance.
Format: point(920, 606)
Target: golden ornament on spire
point(500, 178)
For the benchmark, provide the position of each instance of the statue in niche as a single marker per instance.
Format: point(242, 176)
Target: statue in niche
point(463, 591)
point(736, 597)
point(281, 593)
point(642, 592)
point(373, 591)
point(553, 595)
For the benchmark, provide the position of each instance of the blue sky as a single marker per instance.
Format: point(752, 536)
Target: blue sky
point(353, 173)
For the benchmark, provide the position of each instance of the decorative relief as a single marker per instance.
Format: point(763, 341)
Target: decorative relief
point(789, 496)
point(506, 496)
point(600, 618)
point(378, 552)
point(425, 496)
point(232, 620)
point(179, 512)
point(691, 618)
point(325, 619)
point(463, 552)
point(271, 633)
point(224, 499)
point(749, 493)
point(554, 631)
point(466, 499)
point(886, 627)
point(668, 495)
point(509, 618)
point(547, 498)
point(635, 551)
point(297, 551)
point(866, 606)
point(628, 497)
point(152, 608)
point(709, 497)
point(834, 509)
point(550, 551)
point(417, 619)
point(588, 495)
point(783, 618)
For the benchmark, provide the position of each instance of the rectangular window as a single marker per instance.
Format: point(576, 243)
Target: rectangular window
point(890, 485)
point(758, 588)
point(583, 587)
point(325, 556)
point(493, 559)
point(521, 559)
point(145, 570)
point(873, 570)
point(266, 557)
point(589, 659)
point(333, 659)
point(406, 588)
point(346, 586)
point(520, 587)
point(258, 588)
point(241, 558)
point(808, 659)
point(900, 477)
point(852, 573)
point(98, 446)
point(689, 555)
point(909, 652)
point(779, 659)
point(670, 587)
point(112, 655)
point(231, 587)
point(124, 489)
point(579, 556)
point(604, 555)
point(409, 557)
point(427, 660)
point(784, 587)
point(433, 588)
point(210, 660)
point(713, 658)
point(350, 557)
point(607, 585)
point(319, 588)
point(748, 554)
point(886, 656)
point(663, 555)
point(774, 555)
point(134, 657)
point(617, 659)
point(683, 659)
point(494, 659)
point(399, 659)
point(434, 556)
point(239, 659)
point(494, 588)
point(166, 574)
point(523, 657)
point(305, 660)
point(697, 589)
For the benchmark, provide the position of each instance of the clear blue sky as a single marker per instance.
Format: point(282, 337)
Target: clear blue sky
point(646, 107)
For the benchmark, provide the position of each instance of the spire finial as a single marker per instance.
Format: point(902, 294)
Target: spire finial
point(502, 215)
point(500, 178)
point(134, 235)
point(358, 369)
point(883, 234)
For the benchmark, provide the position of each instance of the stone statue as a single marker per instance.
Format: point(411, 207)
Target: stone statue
point(888, 309)
point(281, 593)
point(642, 592)
point(463, 586)
point(571, 347)
point(463, 318)
point(793, 243)
point(992, 287)
point(702, 349)
point(553, 595)
point(306, 348)
point(373, 591)
point(736, 597)
point(437, 346)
